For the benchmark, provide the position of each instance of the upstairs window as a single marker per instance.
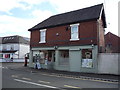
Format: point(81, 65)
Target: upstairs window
point(42, 36)
point(74, 32)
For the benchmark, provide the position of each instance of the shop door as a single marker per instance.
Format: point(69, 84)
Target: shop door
point(51, 59)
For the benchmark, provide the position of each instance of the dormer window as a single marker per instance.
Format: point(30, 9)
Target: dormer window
point(74, 32)
point(42, 36)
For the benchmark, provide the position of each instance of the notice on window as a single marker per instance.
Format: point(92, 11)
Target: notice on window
point(87, 63)
point(87, 60)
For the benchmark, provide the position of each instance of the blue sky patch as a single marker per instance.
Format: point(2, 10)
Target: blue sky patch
point(20, 13)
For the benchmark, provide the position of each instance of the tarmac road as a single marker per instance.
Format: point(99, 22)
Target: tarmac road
point(14, 75)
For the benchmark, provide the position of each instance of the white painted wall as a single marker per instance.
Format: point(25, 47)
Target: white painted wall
point(14, 60)
point(9, 46)
point(108, 63)
point(23, 49)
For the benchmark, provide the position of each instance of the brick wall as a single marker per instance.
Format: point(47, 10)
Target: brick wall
point(101, 40)
point(87, 35)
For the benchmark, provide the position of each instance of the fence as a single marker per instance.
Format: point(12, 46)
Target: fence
point(108, 63)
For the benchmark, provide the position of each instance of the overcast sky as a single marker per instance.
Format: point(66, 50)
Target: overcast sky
point(17, 16)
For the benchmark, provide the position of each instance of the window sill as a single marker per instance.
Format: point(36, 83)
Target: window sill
point(42, 42)
point(74, 39)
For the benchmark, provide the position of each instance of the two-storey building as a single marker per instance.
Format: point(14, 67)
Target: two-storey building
point(69, 41)
point(14, 47)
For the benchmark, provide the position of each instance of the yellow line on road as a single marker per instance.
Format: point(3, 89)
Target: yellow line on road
point(69, 77)
point(105, 81)
point(81, 78)
point(70, 86)
point(51, 75)
point(43, 81)
point(15, 76)
point(26, 78)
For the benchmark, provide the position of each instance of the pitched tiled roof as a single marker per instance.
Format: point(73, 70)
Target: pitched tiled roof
point(86, 14)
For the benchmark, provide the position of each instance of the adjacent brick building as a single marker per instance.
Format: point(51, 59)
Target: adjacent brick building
point(69, 41)
point(112, 43)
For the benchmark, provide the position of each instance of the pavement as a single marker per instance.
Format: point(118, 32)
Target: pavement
point(89, 76)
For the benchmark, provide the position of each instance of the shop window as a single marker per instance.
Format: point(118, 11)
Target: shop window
point(64, 57)
point(87, 60)
point(7, 56)
point(65, 54)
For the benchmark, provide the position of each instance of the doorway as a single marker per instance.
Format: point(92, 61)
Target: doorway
point(51, 59)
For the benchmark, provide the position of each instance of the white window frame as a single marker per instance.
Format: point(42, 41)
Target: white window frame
point(43, 30)
point(72, 25)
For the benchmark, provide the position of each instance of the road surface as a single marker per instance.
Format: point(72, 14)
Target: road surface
point(13, 78)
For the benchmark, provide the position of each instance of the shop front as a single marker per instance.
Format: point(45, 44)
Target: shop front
point(8, 55)
point(46, 58)
point(67, 58)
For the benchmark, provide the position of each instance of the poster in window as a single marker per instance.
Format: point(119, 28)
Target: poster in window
point(87, 60)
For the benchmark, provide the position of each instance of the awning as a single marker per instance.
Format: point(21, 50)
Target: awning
point(10, 51)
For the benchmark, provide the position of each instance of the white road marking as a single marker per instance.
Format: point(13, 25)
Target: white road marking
point(35, 83)
point(26, 78)
point(43, 81)
point(4, 67)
